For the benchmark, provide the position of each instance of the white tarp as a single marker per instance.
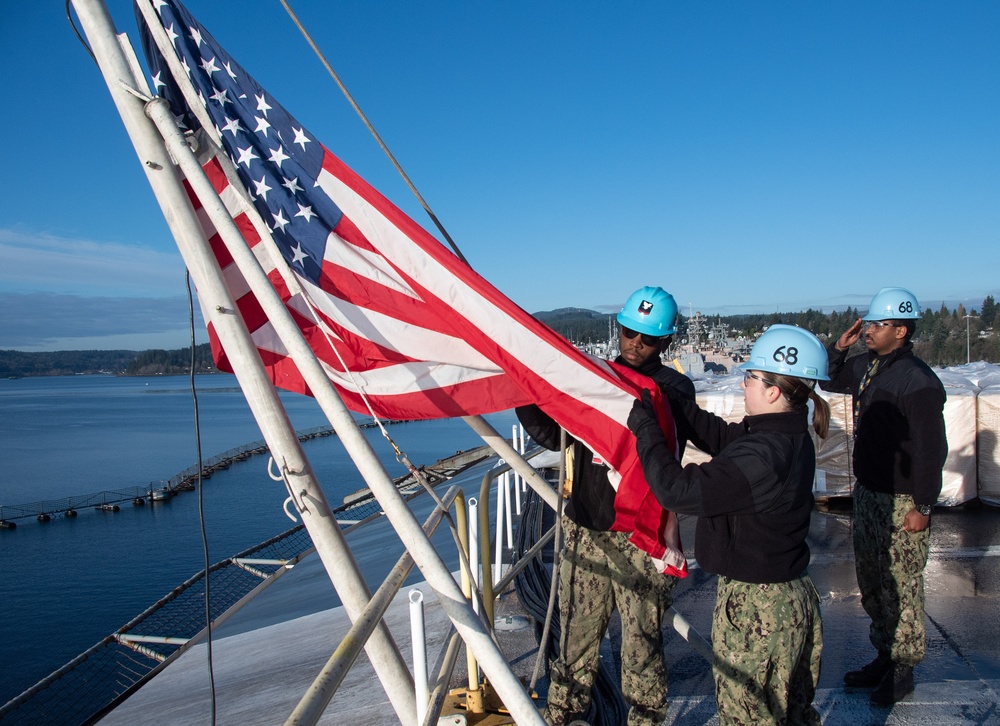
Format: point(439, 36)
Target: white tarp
point(959, 478)
point(834, 477)
point(972, 425)
point(988, 449)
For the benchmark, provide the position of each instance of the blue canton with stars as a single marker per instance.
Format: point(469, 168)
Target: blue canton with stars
point(278, 161)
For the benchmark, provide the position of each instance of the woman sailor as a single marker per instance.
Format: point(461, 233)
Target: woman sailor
point(754, 500)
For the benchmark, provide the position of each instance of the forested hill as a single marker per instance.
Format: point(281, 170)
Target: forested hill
point(17, 364)
point(944, 337)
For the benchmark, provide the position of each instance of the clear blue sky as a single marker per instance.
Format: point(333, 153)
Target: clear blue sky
point(746, 156)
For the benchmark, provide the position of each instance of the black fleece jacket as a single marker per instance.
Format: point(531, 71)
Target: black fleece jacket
point(592, 501)
point(753, 499)
point(899, 441)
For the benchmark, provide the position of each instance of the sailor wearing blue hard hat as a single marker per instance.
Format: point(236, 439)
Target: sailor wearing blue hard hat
point(599, 569)
point(899, 452)
point(754, 501)
point(647, 321)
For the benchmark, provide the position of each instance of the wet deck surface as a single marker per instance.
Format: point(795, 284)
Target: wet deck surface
point(959, 680)
point(261, 673)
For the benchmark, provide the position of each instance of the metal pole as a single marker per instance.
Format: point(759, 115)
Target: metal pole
point(259, 391)
point(472, 630)
point(968, 338)
point(418, 646)
point(500, 528)
point(517, 480)
point(967, 344)
point(509, 454)
point(310, 708)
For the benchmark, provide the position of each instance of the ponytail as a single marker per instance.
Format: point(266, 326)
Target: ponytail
point(821, 414)
point(798, 392)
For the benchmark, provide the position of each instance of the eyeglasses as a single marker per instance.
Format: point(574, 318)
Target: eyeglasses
point(881, 324)
point(747, 375)
point(649, 340)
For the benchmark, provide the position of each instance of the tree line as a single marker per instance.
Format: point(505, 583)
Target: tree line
point(940, 337)
point(944, 337)
point(17, 364)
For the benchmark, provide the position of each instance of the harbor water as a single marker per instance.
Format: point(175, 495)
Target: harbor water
point(69, 582)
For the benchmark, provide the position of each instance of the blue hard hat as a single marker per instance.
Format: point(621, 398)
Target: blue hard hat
point(789, 351)
point(649, 310)
point(893, 303)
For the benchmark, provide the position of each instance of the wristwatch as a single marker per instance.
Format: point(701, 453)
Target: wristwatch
point(924, 509)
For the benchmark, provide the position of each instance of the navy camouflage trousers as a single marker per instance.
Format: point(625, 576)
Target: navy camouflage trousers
point(598, 572)
point(890, 566)
point(767, 639)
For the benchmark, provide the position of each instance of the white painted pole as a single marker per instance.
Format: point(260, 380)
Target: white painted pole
point(258, 389)
point(517, 484)
point(470, 627)
point(520, 427)
point(505, 485)
point(474, 570)
point(419, 647)
point(510, 455)
point(498, 546)
point(474, 549)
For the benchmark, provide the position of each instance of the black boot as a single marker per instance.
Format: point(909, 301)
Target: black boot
point(869, 675)
point(894, 686)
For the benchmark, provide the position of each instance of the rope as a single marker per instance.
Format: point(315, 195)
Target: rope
point(201, 503)
point(400, 455)
point(543, 644)
point(79, 36)
point(371, 129)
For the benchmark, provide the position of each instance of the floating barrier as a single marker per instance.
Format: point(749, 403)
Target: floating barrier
point(185, 481)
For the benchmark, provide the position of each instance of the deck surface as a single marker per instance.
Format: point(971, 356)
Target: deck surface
point(266, 657)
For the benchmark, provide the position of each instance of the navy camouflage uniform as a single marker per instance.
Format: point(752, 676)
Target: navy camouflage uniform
point(899, 453)
point(753, 501)
point(599, 571)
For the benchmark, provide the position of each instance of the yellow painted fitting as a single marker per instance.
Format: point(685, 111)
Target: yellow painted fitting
point(474, 701)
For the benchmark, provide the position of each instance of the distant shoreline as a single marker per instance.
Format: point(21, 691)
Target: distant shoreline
point(17, 364)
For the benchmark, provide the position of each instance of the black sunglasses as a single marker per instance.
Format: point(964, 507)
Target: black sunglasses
point(650, 340)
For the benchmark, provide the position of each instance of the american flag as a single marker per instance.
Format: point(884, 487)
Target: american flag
point(398, 322)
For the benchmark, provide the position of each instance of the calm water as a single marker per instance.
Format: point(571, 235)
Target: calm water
point(68, 583)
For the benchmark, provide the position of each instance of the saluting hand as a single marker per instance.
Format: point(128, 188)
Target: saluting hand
point(851, 336)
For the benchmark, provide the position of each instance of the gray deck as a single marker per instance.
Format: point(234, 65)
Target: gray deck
point(261, 672)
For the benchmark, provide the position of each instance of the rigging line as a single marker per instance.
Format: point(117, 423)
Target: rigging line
point(201, 501)
point(371, 129)
point(543, 644)
point(359, 387)
point(293, 284)
point(401, 456)
point(69, 18)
